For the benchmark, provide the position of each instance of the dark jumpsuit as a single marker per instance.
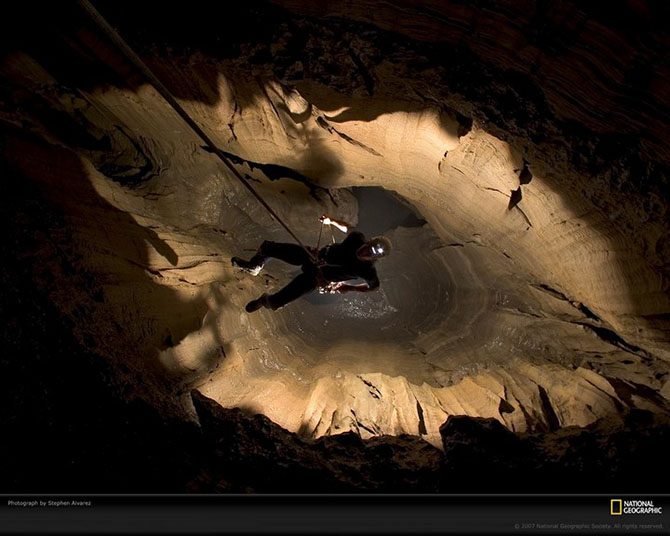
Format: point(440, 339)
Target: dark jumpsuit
point(338, 262)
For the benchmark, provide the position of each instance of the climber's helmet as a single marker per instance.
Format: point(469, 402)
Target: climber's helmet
point(374, 249)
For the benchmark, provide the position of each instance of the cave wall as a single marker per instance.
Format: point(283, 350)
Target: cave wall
point(553, 312)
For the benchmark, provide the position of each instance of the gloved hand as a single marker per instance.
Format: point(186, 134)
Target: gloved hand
point(335, 287)
point(342, 226)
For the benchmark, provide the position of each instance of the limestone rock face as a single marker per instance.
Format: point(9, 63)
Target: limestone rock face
point(530, 285)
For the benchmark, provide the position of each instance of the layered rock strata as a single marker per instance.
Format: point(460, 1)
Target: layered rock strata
point(535, 293)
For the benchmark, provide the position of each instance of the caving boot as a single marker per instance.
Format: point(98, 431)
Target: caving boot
point(251, 267)
point(255, 305)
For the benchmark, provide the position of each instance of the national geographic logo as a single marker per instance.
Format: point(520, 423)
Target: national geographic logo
point(619, 507)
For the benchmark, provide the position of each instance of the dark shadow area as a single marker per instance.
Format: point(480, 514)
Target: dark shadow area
point(91, 229)
point(380, 211)
point(480, 456)
point(276, 172)
point(66, 422)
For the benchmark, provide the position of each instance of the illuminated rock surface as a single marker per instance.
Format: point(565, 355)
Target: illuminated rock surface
point(541, 313)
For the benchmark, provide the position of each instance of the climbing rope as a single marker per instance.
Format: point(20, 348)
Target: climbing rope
point(318, 242)
point(165, 92)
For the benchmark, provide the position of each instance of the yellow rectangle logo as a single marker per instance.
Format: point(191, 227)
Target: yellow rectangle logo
point(615, 507)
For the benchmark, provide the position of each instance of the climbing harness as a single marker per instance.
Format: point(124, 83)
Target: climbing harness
point(323, 286)
point(165, 92)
